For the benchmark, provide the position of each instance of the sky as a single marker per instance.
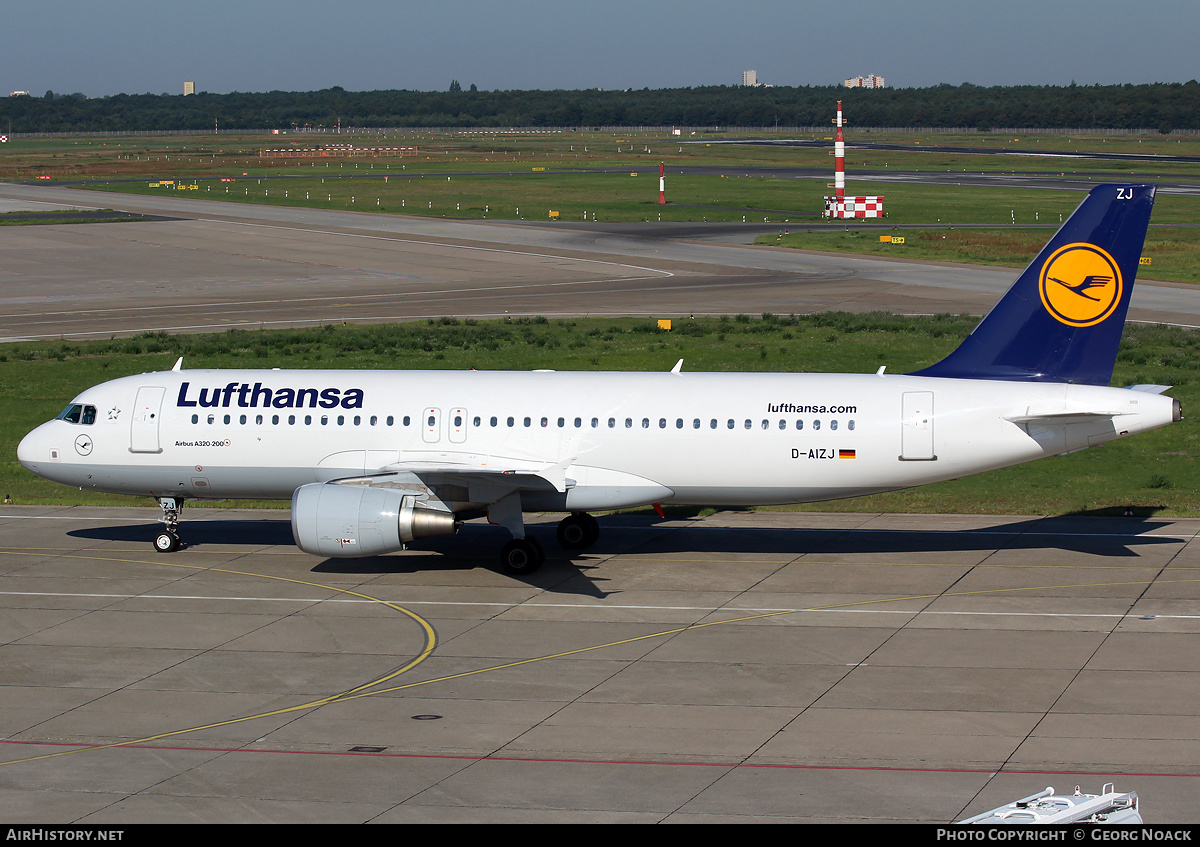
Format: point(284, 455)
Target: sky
point(139, 46)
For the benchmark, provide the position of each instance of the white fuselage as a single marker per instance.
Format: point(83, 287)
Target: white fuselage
point(599, 440)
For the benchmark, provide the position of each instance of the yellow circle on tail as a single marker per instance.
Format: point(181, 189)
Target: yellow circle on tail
point(1080, 285)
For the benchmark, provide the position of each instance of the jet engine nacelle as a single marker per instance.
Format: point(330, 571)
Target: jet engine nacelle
point(356, 520)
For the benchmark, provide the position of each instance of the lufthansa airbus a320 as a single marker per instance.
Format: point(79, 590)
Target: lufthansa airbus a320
point(373, 460)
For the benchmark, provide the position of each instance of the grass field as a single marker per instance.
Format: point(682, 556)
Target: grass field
point(545, 178)
point(1154, 473)
point(1174, 252)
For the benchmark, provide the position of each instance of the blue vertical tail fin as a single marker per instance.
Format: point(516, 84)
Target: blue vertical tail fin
point(1062, 319)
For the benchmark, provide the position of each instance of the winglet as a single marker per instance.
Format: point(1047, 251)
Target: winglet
point(1062, 319)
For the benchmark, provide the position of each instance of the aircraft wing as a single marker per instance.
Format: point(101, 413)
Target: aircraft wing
point(486, 478)
point(508, 474)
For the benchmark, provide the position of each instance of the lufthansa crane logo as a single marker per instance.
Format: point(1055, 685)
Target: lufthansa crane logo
point(1080, 285)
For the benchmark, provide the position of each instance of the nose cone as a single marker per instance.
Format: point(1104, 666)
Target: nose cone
point(30, 452)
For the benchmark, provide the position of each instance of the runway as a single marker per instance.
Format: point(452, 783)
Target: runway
point(763, 666)
point(206, 266)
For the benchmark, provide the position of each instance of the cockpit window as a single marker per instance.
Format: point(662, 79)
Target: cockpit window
point(79, 414)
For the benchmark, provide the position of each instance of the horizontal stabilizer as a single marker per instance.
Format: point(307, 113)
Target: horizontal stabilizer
point(1061, 418)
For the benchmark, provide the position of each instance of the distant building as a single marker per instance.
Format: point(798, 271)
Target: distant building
point(750, 78)
point(19, 94)
point(871, 81)
point(189, 88)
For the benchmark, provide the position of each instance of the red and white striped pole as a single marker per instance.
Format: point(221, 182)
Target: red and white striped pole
point(839, 160)
point(662, 183)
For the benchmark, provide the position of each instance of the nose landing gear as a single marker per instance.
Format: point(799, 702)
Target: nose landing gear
point(167, 540)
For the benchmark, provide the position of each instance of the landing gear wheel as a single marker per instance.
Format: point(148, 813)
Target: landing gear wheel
point(522, 556)
point(166, 542)
point(167, 539)
point(578, 530)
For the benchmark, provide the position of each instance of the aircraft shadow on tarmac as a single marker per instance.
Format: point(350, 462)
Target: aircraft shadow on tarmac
point(477, 545)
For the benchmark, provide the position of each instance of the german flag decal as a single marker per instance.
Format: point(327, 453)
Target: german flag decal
point(845, 454)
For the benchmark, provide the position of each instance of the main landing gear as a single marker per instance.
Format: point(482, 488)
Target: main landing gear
point(524, 555)
point(167, 539)
point(577, 531)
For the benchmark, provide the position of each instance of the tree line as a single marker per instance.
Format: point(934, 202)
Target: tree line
point(1157, 106)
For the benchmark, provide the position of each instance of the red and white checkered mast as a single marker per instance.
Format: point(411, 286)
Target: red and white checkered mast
point(662, 183)
point(839, 205)
point(839, 158)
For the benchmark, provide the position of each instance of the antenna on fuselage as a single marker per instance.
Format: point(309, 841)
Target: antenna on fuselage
point(178, 364)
